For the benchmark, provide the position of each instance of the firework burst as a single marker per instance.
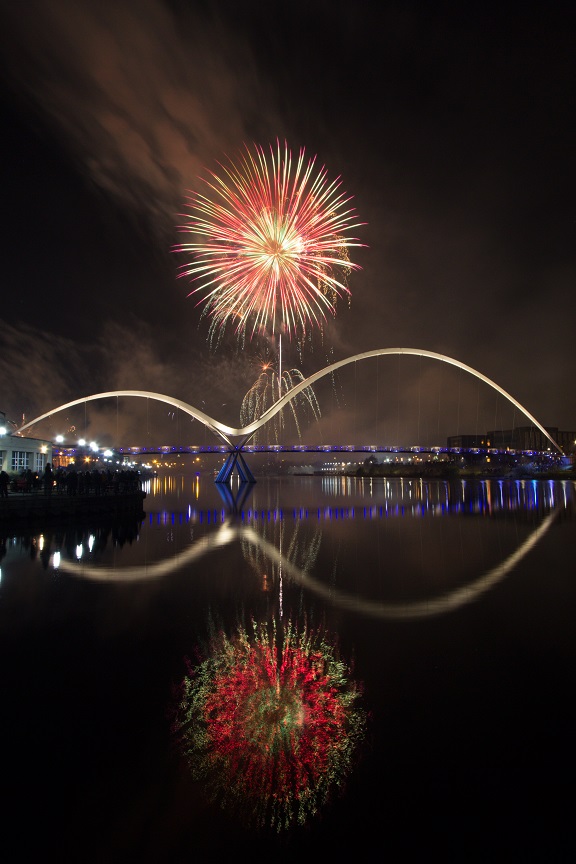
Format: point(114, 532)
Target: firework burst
point(269, 722)
point(271, 244)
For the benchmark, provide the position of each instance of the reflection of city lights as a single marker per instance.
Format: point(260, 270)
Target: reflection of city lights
point(269, 722)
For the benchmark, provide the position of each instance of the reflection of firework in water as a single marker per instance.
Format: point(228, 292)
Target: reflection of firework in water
point(301, 552)
point(269, 722)
point(265, 391)
point(271, 246)
point(297, 551)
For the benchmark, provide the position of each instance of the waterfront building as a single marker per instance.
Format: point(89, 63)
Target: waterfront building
point(531, 438)
point(23, 454)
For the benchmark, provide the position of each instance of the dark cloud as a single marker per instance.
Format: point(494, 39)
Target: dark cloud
point(138, 96)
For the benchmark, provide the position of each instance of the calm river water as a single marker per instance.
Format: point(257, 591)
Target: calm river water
point(309, 666)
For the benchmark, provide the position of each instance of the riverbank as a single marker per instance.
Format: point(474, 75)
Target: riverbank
point(452, 471)
point(444, 473)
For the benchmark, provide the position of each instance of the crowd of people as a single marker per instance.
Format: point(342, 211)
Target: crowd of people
point(71, 481)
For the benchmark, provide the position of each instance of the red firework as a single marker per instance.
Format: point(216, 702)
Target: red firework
point(271, 244)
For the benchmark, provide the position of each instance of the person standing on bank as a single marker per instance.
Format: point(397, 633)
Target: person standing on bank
point(4, 483)
point(48, 479)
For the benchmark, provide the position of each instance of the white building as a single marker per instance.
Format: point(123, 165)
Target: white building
point(19, 454)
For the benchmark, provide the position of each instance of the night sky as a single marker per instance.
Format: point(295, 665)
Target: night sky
point(451, 126)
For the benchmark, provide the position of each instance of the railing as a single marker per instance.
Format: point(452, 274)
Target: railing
point(194, 449)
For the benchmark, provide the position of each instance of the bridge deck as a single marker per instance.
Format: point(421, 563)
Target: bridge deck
point(326, 448)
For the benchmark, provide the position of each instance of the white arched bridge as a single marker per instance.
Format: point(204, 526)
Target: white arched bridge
point(236, 440)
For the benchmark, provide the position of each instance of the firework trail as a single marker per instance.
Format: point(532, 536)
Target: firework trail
point(266, 390)
point(270, 244)
point(269, 722)
point(300, 552)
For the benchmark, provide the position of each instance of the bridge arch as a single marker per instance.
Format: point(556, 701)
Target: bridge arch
point(221, 429)
point(244, 433)
point(249, 430)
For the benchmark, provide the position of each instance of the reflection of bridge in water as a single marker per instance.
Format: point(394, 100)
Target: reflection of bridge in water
point(237, 440)
point(536, 506)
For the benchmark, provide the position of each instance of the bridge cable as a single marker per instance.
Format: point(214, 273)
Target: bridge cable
point(477, 408)
point(419, 395)
point(459, 394)
point(439, 406)
point(398, 403)
point(378, 436)
point(355, 399)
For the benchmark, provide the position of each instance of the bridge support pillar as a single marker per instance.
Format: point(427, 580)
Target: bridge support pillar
point(235, 461)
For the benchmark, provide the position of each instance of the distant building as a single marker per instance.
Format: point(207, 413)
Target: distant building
point(466, 442)
point(519, 438)
point(567, 441)
point(531, 438)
